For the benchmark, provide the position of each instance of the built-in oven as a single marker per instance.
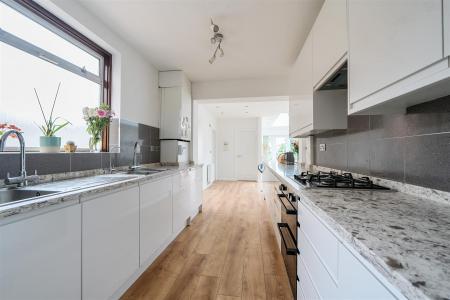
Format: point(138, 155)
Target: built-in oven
point(288, 232)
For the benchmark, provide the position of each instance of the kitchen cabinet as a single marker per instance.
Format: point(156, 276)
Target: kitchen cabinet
point(301, 91)
point(196, 190)
point(182, 204)
point(155, 217)
point(110, 242)
point(395, 49)
point(357, 282)
point(329, 39)
point(312, 112)
point(327, 269)
point(446, 16)
point(270, 190)
point(176, 106)
point(40, 257)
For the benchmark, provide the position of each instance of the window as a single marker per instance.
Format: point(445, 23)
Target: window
point(38, 50)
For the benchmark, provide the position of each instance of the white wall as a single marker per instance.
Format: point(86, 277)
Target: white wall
point(135, 80)
point(221, 89)
point(203, 141)
point(226, 156)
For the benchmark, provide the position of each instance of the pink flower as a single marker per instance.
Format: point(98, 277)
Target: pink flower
point(102, 113)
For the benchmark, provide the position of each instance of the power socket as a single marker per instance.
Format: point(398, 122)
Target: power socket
point(322, 147)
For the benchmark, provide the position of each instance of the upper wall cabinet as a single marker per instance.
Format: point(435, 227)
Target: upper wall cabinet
point(329, 36)
point(395, 50)
point(301, 91)
point(446, 15)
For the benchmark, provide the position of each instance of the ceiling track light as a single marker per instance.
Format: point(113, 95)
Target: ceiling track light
point(217, 38)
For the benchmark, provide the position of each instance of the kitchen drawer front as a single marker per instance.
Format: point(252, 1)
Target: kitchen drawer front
point(325, 282)
point(307, 288)
point(325, 244)
point(357, 282)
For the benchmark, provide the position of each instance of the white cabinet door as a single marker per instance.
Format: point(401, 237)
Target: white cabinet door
point(171, 113)
point(329, 39)
point(356, 282)
point(390, 40)
point(301, 90)
point(155, 216)
point(182, 207)
point(110, 239)
point(197, 190)
point(446, 16)
point(40, 257)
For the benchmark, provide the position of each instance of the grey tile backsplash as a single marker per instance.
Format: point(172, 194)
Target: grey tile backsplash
point(412, 148)
point(81, 161)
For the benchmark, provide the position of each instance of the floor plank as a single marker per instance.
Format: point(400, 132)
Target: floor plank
point(206, 288)
point(228, 253)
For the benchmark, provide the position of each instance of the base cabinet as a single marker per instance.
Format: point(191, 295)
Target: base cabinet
point(196, 190)
point(155, 216)
point(327, 269)
point(110, 239)
point(40, 257)
point(182, 205)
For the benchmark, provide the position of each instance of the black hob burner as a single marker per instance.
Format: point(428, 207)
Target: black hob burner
point(335, 180)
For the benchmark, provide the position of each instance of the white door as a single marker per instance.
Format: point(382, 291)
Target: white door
point(246, 154)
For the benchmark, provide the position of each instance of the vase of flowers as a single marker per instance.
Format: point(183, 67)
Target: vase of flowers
point(49, 142)
point(4, 127)
point(97, 118)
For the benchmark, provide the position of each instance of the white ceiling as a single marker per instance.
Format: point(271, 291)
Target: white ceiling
point(243, 109)
point(262, 37)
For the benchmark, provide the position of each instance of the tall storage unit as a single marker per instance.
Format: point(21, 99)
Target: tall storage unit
point(176, 116)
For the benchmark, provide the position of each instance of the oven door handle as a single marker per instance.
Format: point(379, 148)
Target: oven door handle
point(289, 211)
point(292, 249)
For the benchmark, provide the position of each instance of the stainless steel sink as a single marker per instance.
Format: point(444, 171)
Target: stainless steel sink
point(144, 171)
point(8, 196)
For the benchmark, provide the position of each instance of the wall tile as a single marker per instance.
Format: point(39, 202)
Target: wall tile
point(427, 161)
point(9, 162)
point(404, 147)
point(46, 163)
point(85, 161)
point(358, 156)
point(387, 158)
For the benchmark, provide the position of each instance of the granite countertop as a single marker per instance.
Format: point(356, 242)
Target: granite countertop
point(77, 189)
point(406, 238)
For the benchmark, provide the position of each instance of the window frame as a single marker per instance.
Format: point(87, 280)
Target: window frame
point(39, 14)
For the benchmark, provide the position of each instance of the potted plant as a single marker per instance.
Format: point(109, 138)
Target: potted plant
point(49, 142)
point(97, 118)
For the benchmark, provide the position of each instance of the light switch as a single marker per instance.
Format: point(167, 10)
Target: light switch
point(322, 147)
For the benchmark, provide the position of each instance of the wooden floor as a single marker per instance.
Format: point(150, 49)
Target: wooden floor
point(229, 252)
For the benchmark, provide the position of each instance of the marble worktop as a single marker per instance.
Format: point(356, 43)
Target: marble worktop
point(405, 237)
point(74, 188)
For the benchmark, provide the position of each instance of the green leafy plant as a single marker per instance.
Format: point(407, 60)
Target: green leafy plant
point(51, 126)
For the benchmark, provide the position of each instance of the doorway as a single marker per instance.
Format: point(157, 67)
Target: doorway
point(246, 154)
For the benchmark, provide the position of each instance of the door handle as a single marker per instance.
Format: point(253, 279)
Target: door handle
point(291, 249)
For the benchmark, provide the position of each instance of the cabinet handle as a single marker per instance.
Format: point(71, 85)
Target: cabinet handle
point(292, 248)
point(288, 210)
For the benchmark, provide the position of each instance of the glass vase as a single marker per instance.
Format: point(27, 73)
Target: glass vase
point(94, 143)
